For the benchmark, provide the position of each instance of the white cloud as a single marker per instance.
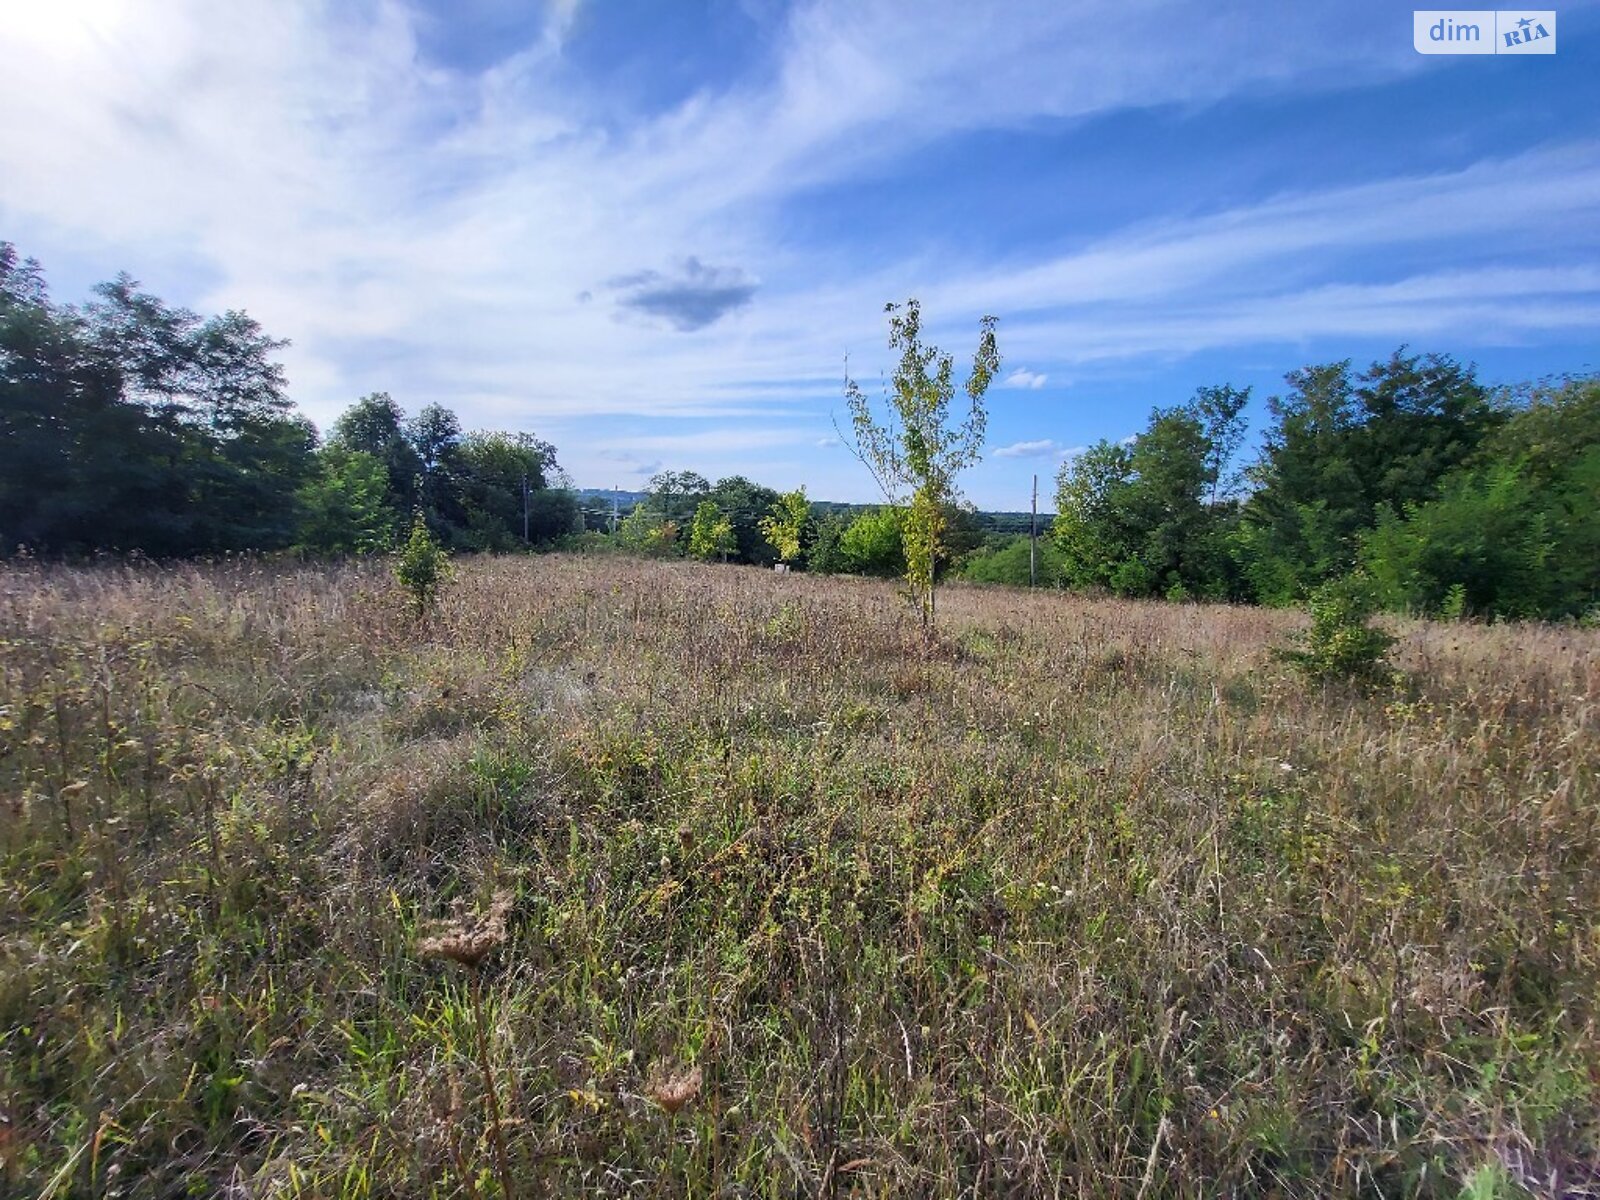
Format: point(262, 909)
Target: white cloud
point(429, 231)
point(1024, 378)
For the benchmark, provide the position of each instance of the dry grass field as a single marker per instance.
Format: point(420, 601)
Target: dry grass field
point(770, 898)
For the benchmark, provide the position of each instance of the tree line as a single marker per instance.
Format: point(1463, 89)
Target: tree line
point(127, 424)
point(682, 514)
point(1410, 483)
point(1439, 495)
point(131, 425)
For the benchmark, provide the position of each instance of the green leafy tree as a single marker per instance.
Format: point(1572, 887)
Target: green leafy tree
point(128, 424)
point(963, 536)
point(1220, 411)
point(917, 452)
point(435, 436)
point(553, 514)
point(491, 470)
point(1092, 528)
point(345, 508)
point(824, 544)
point(262, 466)
point(375, 425)
point(1137, 518)
point(217, 372)
point(1179, 545)
point(1485, 545)
point(646, 531)
point(745, 503)
point(65, 429)
point(785, 525)
point(1516, 534)
point(711, 533)
point(1342, 448)
point(216, 414)
point(1551, 426)
point(675, 494)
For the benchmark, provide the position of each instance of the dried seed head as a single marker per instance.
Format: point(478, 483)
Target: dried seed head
point(469, 940)
point(672, 1090)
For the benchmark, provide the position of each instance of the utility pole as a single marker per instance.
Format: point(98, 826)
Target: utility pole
point(1033, 537)
point(613, 510)
point(524, 507)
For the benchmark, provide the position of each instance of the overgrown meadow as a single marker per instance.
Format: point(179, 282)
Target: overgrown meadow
point(1080, 898)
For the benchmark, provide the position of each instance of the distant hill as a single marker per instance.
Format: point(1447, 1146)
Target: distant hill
point(989, 522)
point(1013, 522)
point(625, 500)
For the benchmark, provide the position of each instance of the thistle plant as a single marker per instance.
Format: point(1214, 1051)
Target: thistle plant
point(672, 1091)
point(469, 940)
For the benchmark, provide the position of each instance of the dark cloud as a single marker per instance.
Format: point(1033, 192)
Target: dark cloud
point(690, 298)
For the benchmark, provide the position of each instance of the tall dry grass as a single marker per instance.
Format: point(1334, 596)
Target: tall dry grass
point(1087, 898)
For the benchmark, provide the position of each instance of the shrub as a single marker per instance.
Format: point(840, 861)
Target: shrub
point(422, 567)
point(1341, 645)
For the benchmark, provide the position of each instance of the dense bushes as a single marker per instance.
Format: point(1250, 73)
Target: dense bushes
point(1515, 534)
point(1452, 499)
point(1008, 563)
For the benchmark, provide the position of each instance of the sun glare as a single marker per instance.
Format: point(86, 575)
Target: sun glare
point(60, 24)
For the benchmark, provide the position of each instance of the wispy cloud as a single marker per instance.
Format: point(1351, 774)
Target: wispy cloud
point(710, 442)
point(449, 234)
point(461, 214)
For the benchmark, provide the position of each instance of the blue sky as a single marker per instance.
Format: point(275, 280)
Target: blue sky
point(651, 232)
